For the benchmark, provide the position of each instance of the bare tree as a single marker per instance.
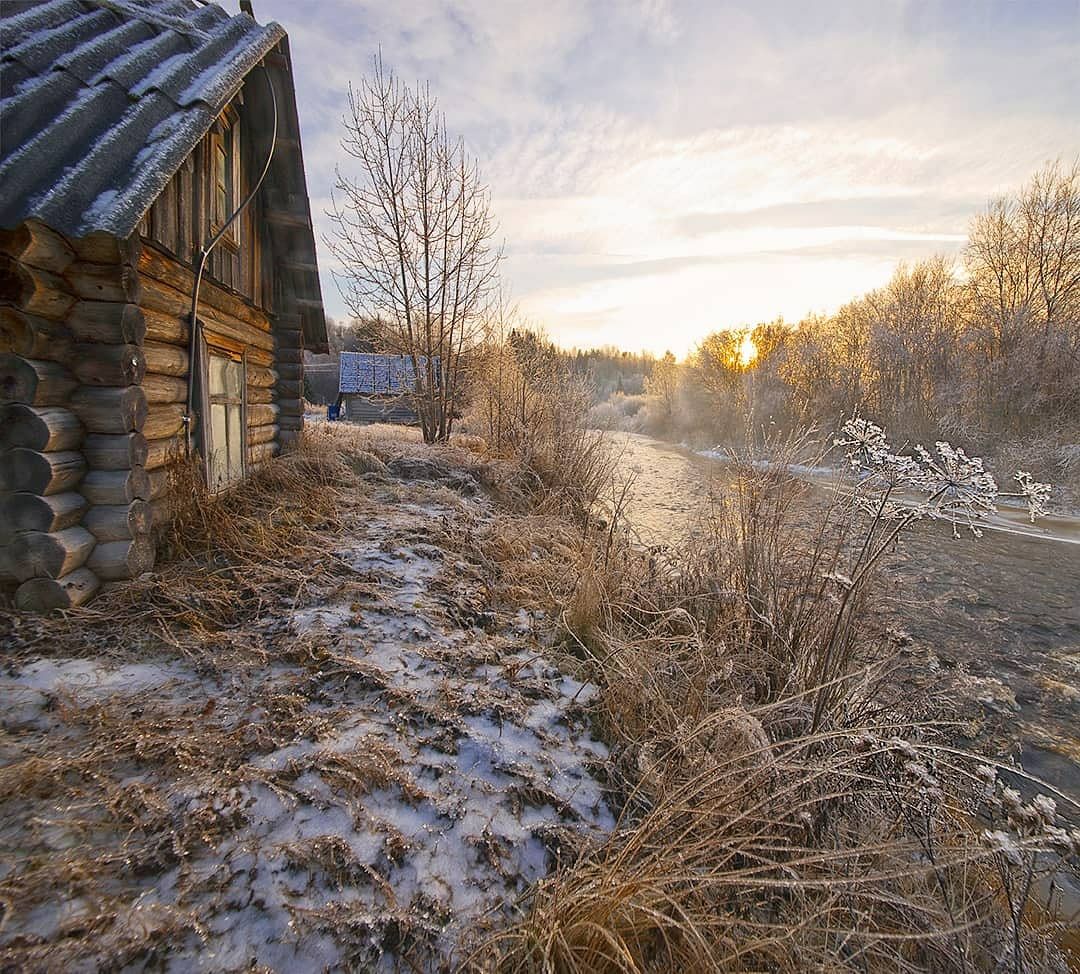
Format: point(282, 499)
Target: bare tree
point(663, 387)
point(414, 236)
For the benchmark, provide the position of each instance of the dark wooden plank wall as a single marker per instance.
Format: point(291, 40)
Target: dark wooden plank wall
point(179, 220)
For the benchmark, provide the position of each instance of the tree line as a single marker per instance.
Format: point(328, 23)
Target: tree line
point(979, 348)
point(983, 347)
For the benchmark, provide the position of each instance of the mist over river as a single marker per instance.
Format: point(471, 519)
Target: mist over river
point(996, 620)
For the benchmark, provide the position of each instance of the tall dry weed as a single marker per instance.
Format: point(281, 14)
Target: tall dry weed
point(532, 409)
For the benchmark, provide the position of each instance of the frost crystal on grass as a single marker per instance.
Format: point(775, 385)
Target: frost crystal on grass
point(1005, 844)
point(1010, 798)
point(904, 748)
point(866, 440)
point(1046, 808)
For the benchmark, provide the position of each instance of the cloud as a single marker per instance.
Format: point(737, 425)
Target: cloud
point(926, 213)
point(747, 158)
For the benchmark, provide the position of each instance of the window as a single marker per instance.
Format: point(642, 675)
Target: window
point(226, 445)
point(225, 175)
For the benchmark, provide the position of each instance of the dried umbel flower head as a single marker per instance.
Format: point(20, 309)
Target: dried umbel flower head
point(869, 454)
point(866, 442)
point(954, 487)
point(1036, 495)
point(959, 486)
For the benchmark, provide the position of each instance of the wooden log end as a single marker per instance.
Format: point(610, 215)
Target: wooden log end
point(38, 554)
point(23, 511)
point(41, 473)
point(115, 451)
point(100, 247)
point(108, 322)
point(33, 381)
point(110, 410)
point(34, 290)
point(38, 245)
point(47, 428)
point(117, 560)
point(51, 594)
point(96, 364)
point(112, 487)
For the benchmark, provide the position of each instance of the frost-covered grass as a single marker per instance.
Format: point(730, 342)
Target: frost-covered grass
point(387, 708)
point(789, 804)
point(314, 740)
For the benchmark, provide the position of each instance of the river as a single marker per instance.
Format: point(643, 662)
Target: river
point(995, 620)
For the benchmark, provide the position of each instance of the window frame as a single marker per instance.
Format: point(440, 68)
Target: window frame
point(225, 141)
point(226, 399)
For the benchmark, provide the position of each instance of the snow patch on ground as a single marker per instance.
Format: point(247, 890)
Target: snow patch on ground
point(450, 767)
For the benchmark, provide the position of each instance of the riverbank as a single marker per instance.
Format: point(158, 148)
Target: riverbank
point(1060, 523)
point(992, 623)
point(400, 707)
point(1056, 462)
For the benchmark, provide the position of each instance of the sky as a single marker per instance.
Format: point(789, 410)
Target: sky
point(661, 169)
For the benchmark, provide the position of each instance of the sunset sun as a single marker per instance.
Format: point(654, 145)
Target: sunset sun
point(747, 351)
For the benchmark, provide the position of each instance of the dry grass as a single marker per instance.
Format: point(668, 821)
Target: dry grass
point(98, 792)
point(533, 412)
point(783, 806)
point(110, 791)
point(230, 557)
point(786, 806)
point(224, 559)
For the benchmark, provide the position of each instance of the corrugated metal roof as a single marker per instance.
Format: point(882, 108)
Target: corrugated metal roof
point(102, 100)
point(375, 374)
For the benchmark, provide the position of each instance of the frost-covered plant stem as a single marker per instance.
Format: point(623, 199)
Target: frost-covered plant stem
point(868, 557)
point(953, 487)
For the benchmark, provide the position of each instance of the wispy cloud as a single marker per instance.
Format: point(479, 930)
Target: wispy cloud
point(663, 167)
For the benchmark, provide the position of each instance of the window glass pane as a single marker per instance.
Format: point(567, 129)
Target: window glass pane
point(219, 457)
point(221, 183)
point(217, 382)
point(234, 379)
point(236, 444)
point(234, 164)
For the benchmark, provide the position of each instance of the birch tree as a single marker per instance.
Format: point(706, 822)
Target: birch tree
point(414, 237)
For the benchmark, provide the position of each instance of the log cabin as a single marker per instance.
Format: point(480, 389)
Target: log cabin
point(158, 278)
point(378, 388)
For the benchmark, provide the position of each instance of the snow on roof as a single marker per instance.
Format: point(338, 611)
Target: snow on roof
point(102, 100)
point(375, 374)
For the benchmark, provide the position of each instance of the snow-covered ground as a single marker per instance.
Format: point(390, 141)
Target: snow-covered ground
point(361, 802)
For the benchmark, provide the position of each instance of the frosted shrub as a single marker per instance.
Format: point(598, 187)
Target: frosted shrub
point(895, 489)
point(1023, 841)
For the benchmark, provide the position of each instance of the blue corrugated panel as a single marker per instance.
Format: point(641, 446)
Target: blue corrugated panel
point(369, 373)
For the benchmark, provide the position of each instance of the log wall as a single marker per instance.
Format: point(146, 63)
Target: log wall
point(44, 360)
point(94, 372)
point(233, 326)
point(289, 387)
